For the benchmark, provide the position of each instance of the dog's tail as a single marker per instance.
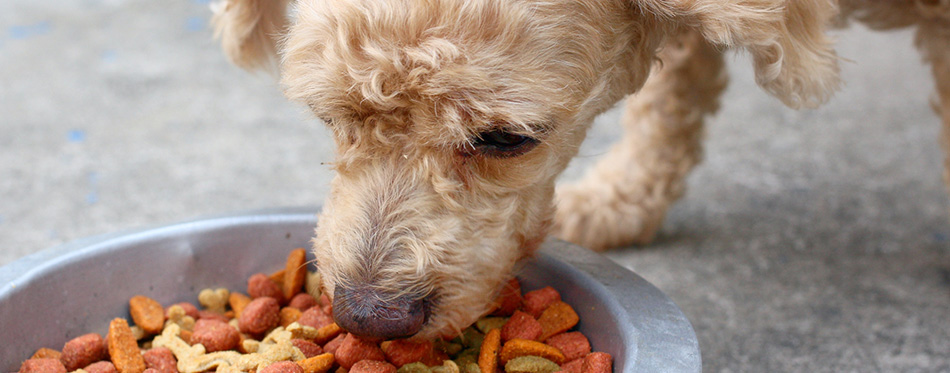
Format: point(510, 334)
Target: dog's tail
point(250, 31)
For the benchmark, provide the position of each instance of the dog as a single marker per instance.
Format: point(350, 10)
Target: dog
point(452, 120)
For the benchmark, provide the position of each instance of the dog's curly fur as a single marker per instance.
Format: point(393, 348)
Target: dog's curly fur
point(411, 88)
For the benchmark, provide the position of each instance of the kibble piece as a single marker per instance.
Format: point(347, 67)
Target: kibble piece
point(575, 366)
point(574, 345)
point(214, 300)
point(302, 301)
point(215, 335)
point(598, 362)
point(414, 368)
point(488, 323)
point(521, 326)
point(123, 348)
point(536, 301)
point(488, 355)
point(289, 315)
point(259, 285)
point(372, 366)
point(308, 348)
point(315, 317)
point(147, 314)
point(523, 347)
point(334, 343)
point(403, 351)
point(295, 273)
point(509, 299)
point(353, 349)
point(46, 365)
point(190, 309)
point(282, 367)
point(83, 350)
point(261, 315)
point(238, 301)
point(557, 318)
point(101, 367)
point(161, 359)
point(317, 364)
point(46, 353)
point(531, 364)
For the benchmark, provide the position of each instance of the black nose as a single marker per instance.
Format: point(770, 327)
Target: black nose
point(373, 315)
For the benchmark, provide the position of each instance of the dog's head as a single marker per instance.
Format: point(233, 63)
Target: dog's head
point(452, 120)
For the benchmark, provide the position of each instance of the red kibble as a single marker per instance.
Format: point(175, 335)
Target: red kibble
point(308, 348)
point(598, 362)
point(260, 285)
point(372, 366)
point(260, 316)
point(574, 345)
point(521, 326)
point(302, 301)
point(161, 359)
point(215, 335)
point(509, 299)
point(315, 317)
point(190, 309)
point(42, 366)
point(100, 367)
point(334, 344)
point(353, 349)
point(283, 367)
point(83, 350)
point(536, 301)
point(402, 351)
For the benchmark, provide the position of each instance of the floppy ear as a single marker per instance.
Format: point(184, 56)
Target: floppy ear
point(792, 56)
point(250, 30)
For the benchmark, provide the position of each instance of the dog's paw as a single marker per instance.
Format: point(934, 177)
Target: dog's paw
point(599, 218)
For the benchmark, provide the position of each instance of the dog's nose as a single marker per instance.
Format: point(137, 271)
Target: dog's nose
point(372, 315)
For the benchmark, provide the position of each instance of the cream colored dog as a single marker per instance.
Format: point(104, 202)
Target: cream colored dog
point(453, 118)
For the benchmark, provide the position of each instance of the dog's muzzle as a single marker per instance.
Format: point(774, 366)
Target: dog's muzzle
point(370, 315)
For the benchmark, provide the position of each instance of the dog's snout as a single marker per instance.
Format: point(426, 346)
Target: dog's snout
point(369, 314)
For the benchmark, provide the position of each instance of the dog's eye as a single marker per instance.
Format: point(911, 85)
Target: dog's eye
point(502, 144)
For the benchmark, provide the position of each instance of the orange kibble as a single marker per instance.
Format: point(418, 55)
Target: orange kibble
point(289, 315)
point(326, 333)
point(277, 277)
point(123, 348)
point(295, 273)
point(557, 318)
point(524, 347)
point(317, 364)
point(147, 313)
point(46, 353)
point(488, 355)
point(238, 301)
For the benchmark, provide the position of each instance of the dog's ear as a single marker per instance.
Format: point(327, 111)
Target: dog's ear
point(250, 31)
point(793, 57)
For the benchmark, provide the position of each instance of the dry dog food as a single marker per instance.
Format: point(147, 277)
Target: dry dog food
point(279, 327)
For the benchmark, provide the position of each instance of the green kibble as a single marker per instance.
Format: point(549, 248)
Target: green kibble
point(531, 364)
point(450, 348)
point(414, 368)
point(489, 323)
point(470, 337)
point(469, 368)
point(469, 355)
point(447, 366)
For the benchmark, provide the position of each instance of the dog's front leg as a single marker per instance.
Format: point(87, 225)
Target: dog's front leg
point(624, 198)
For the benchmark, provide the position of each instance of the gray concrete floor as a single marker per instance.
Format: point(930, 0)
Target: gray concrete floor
point(808, 241)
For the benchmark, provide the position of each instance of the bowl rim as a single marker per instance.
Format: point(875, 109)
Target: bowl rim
point(658, 335)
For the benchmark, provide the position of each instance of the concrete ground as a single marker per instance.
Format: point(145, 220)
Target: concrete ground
point(808, 241)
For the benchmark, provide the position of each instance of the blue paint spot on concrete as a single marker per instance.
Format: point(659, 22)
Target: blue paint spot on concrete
point(196, 23)
point(76, 135)
point(29, 31)
point(940, 237)
point(93, 196)
point(109, 56)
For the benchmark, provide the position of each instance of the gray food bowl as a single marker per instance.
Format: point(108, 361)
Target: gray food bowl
point(55, 295)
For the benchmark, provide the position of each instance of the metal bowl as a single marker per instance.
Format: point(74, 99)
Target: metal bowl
point(57, 294)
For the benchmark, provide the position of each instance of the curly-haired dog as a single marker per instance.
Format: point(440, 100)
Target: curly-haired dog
point(453, 118)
